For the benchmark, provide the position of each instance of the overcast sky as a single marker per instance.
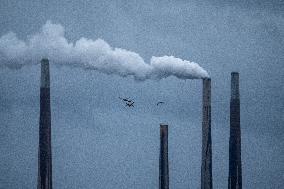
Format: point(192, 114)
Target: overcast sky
point(99, 143)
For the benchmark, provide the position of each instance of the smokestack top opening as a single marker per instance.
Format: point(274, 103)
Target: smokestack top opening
point(207, 82)
point(235, 94)
point(163, 128)
point(44, 60)
point(234, 73)
point(206, 91)
point(45, 80)
point(206, 79)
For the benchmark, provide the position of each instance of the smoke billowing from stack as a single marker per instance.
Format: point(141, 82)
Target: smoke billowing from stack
point(206, 166)
point(163, 165)
point(44, 151)
point(90, 54)
point(235, 164)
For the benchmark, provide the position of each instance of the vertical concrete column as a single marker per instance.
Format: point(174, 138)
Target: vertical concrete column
point(164, 164)
point(206, 165)
point(44, 150)
point(235, 164)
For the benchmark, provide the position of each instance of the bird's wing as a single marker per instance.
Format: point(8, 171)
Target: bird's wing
point(160, 103)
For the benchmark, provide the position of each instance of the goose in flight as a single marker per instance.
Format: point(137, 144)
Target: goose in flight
point(160, 103)
point(130, 104)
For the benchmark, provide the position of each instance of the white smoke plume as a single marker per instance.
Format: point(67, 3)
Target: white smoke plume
point(90, 54)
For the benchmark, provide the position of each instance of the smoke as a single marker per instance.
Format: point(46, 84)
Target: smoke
point(90, 54)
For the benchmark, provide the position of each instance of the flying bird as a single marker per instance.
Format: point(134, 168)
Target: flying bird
point(130, 104)
point(128, 101)
point(124, 99)
point(160, 103)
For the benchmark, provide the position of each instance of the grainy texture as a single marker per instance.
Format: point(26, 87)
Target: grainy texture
point(99, 143)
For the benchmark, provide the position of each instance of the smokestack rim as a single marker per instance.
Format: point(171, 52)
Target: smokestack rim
point(206, 79)
point(235, 73)
point(164, 128)
point(235, 83)
point(44, 60)
point(45, 77)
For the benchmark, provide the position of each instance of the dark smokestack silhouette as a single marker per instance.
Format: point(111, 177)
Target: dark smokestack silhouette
point(206, 167)
point(44, 151)
point(235, 164)
point(164, 165)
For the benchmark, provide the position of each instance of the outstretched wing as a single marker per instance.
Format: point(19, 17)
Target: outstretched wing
point(160, 103)
point(125, 99)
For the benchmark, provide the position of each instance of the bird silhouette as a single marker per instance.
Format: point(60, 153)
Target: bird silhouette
point(160, 103)
point(130, 104)
point(128, 101)
point(125, 99)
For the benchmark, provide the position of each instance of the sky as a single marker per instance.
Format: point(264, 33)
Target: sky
point(97, 142)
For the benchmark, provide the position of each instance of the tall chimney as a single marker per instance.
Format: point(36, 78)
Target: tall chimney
point(163, 165)
point(206, 166)
point(235, 164)
point(44, 151)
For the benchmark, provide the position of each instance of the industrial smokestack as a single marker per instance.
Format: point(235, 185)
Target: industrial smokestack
point(206, 167)
point(235, 164)
point(164, 166)
point(44, 151)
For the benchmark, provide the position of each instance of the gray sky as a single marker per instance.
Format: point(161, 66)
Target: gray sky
point(99, 143)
